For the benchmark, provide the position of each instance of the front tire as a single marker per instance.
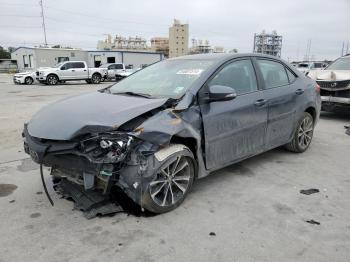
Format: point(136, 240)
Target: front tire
point(52, 80)
point(172, 182)
point(303, 134)
point(28, 80)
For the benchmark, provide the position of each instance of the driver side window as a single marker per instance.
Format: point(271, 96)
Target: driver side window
point(239, 75)
point(66, 66)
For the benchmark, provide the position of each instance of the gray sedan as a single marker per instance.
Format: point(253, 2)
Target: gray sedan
point(151, 135)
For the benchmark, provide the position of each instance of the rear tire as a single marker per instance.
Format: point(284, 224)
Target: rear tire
point(303, 134)
point(172, 182)
point(96, 78)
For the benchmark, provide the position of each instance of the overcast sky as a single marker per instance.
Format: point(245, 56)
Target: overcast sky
point(227, 23)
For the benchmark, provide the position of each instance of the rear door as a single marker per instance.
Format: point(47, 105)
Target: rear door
point(79, 71)
point(281, 95)
point(234, 129)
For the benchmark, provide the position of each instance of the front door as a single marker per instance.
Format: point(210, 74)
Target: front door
point(234, 129)
point(281, 96)
point(65, 71)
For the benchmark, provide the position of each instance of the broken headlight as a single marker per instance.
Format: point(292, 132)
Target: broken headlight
point(107, 148)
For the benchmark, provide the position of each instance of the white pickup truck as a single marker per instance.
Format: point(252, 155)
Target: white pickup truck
point(117, 71)
point(70, 71)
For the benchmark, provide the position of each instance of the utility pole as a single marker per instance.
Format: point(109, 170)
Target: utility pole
point(43, 20)
point(342, 50)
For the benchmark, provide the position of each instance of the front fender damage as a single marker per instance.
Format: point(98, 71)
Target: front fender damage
point(88, 176)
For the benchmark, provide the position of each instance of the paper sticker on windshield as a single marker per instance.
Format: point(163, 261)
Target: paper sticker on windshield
point(190, 71)
point(178, 89)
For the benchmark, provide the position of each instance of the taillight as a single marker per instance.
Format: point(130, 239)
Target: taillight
point(317, 88)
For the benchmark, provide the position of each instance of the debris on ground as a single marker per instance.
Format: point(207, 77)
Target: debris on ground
point(90, 202)
point(313, 222)
point(212, 234)
point(309, 191)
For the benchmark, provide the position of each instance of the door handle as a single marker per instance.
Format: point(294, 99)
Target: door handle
point(84, 70)
point(73, 70)
point(260, 102)
point(299, 91)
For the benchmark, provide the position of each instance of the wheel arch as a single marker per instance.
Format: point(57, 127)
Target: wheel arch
point(312, 111)
point(53, 74)
point(191, 143)
point(97, 73)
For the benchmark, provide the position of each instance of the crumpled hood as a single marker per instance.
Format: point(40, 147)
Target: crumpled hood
point(92, 112)
point(330, 75)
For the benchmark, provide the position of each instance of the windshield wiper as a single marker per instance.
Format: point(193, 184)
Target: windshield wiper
point(134, 94)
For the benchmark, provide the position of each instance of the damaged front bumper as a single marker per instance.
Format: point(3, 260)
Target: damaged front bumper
point(92, 166)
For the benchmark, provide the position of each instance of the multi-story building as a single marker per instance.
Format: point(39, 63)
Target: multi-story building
point(269, 44)
point(160, 44)
point(178, 39)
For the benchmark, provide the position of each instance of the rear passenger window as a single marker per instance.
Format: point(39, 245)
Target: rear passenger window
point(118, 66)
point(291, 76)
point(274, 73)
point(78, 65)
point(239, 75)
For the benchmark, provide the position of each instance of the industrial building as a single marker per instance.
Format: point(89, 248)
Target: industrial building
point(160, 44)
point(178, 39)
point(269, 44)
point(32, 57)
point(123, 43)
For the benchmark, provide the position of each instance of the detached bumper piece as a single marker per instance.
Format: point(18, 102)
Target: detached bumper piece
point(91, 202)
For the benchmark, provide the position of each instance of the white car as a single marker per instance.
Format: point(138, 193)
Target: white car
point(27, 78)
point(306, 67)
point(70, 71)
point(116, 71)
point(334, 82)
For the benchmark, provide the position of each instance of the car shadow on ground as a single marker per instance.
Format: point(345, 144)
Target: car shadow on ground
point(243, 168)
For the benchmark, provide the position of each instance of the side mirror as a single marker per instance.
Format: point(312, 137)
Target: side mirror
point(221, 93)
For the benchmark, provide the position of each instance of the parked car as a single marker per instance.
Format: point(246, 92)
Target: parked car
point(334, 82)
point(116, 71)
point(154, 133)
point(27, 78)
point(306, 67)
point(70, 71)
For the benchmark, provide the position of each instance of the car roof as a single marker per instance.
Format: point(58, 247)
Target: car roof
point(222, 56)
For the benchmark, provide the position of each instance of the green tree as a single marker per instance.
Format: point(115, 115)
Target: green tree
point(4, 54)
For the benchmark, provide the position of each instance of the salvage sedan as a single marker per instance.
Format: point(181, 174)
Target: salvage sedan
point(154, 133)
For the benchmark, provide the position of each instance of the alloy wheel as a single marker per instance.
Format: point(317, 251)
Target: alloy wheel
point(52, 80)
point(305, 132)
point(171, 183)
point(96, 79)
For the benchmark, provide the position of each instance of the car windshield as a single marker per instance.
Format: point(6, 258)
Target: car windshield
point(58, 65)
point(169, 78)
point(340, 64)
